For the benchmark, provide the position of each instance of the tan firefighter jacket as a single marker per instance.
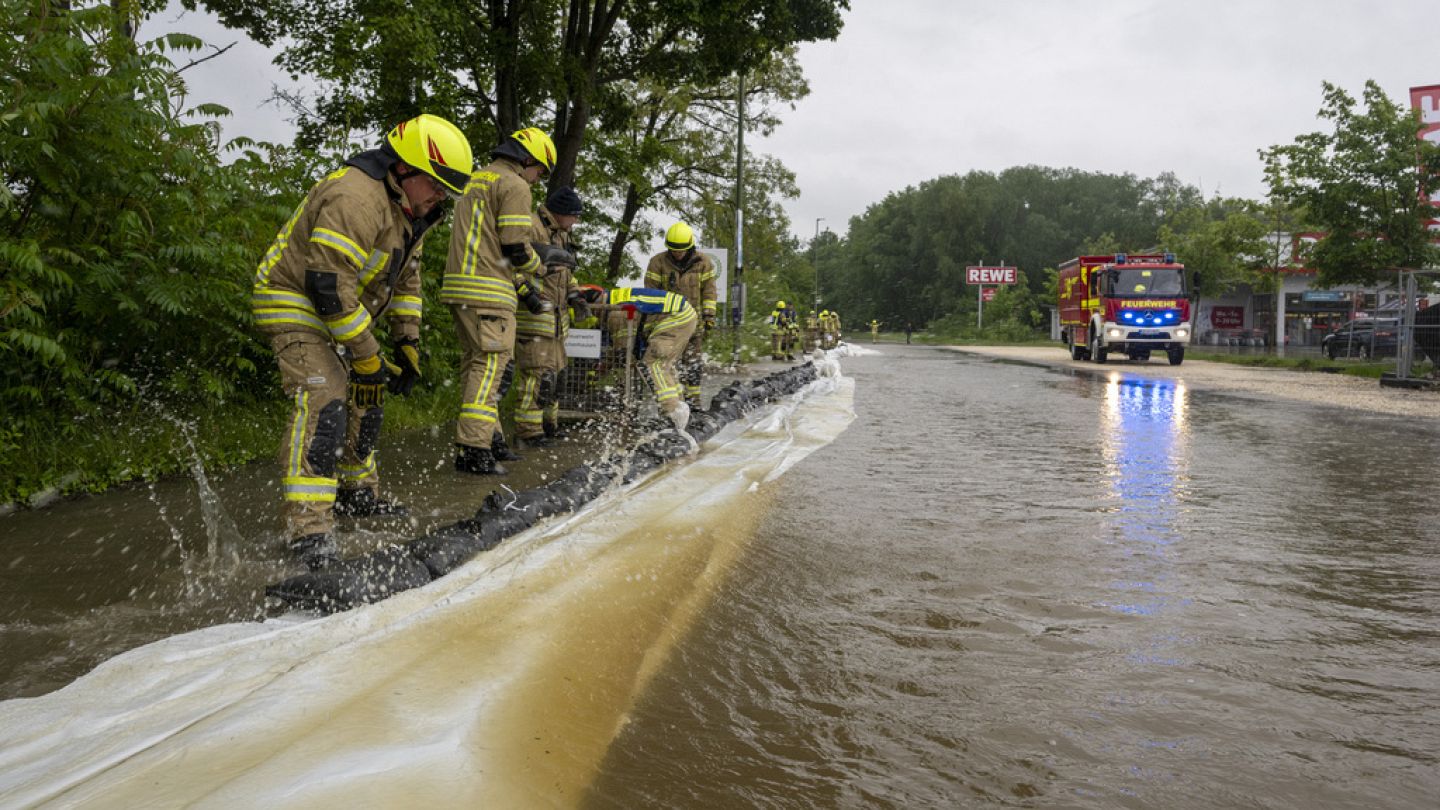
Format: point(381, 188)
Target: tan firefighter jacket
point(692, 277)
point(557, 282)
point(495, 211)
point(348, 254)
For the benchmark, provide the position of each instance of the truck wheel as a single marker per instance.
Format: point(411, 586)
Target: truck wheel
point(1177, 356)
point(1096, 352)
point(1077, 352)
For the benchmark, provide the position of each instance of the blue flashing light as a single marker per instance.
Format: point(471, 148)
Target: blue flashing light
point(1120, 258)
point(1169, 316)
point(1169, 258)
point(1129, 316)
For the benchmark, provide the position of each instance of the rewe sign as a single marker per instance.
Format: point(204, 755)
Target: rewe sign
point(989, 275)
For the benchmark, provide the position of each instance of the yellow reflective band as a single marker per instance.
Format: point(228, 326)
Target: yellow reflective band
point(377, 261)
point(277, 248)
point(313, 490)
point(357, 472)
point(406, 305)
point(339, 241)
point(297, 431)
point(470, 261)
point(513, 221)
point(709, 306)
point(264, 297)
point(349, 327)
point(281, 316)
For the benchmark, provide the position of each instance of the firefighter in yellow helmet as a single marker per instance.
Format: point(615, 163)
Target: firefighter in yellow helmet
point(540, 337)
point(680, 268)
point(349, 254)
point(490, 256)
point(812, 331)
point(779, 321)
point(874, 330)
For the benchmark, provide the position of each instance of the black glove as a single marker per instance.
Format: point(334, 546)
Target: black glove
point(577, 303)
point(709, 322)
point(406, 369)
point(367, 382)
point(549, 254)
point(532, 300)
point(592, 295)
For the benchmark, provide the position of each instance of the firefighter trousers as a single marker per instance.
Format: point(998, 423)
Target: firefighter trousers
point(538, 361)
point(327, 444)
point(670, 341)
point(487, 344)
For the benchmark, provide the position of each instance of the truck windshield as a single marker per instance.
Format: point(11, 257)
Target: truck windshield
point(1132, 281)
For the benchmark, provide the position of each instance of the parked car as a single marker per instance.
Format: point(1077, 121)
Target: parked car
point(1363, 338)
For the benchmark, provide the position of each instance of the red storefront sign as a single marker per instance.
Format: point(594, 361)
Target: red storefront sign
point(988, 293)
point(1227, 317)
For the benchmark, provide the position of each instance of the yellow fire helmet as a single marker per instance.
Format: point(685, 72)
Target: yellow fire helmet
point(437, 148)
point(679, 237)
point(779, 304)
point(538, 144)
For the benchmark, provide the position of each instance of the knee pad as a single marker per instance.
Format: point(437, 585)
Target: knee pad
point(369, 434)
point(506, 377)
point(324, 452)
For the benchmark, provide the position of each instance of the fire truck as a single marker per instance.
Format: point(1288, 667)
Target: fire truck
point(1130, 305)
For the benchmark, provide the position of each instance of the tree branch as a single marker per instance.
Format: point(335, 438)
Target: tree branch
point(195, 62)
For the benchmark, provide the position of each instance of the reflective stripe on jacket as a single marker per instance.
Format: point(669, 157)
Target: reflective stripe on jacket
point(495, 211)
point(351, 225)
point(692, 277)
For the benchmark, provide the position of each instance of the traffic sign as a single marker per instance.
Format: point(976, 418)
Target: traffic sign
point(982, 274)
point(988, 293)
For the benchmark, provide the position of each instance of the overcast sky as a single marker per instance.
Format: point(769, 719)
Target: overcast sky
point(915, 89)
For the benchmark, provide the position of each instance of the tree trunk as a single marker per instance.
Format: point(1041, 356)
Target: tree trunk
point(623, 236)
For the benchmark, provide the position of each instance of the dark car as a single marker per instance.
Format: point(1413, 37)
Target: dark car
point(1363, 338)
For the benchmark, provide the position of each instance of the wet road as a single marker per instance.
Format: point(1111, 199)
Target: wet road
point(1008, 585)
point(1002, 585)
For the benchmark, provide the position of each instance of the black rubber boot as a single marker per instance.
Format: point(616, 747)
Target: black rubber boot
point(554, 433)
point(537, 441)
point(362, 503)
point(316, 551)
point(477, 461)
point(501, 450)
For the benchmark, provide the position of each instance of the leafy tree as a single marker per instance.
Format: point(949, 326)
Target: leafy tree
point(1366, 184)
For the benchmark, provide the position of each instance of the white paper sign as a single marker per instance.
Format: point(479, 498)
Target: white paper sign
point(583, 343)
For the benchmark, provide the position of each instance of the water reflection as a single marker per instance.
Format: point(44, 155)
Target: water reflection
point(1144, 439)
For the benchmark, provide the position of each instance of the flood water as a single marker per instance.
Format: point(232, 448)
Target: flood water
point(1000, 585)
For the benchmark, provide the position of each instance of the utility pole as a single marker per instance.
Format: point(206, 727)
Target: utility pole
point(815, 262)
point(737, 295)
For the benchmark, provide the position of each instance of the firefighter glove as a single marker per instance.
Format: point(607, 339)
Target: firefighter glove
point(367, 382)
point(549, 254)
point(577, 303)
point(709, 322)
point(531, 298)
point(407, 372)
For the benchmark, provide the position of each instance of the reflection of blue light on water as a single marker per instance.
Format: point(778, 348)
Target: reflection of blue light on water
point(1144, 427)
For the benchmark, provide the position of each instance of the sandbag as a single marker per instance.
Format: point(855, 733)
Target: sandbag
point(361, 580)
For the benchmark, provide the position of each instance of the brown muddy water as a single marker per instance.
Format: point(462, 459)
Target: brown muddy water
point(1002, 585)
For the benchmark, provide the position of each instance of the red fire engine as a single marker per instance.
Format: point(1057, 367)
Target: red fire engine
point(1127, 304)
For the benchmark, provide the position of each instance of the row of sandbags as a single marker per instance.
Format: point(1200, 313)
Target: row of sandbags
point(396, 568)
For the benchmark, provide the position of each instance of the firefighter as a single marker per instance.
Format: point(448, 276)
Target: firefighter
point(490, 267)
point(812, 331)
point(667, 322)
point(540, 338)
point(349, 254)
point(825, 335)
point(680, 268)
point(792, 332)
point(874, 330)
point(778, 321)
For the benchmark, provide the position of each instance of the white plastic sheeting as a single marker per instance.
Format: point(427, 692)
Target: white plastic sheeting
point(499, 685)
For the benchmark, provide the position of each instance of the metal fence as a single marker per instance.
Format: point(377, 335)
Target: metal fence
point(608, 387)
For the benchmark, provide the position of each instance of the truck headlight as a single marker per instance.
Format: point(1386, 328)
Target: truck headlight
point(1182, 332)
point(1115, 333)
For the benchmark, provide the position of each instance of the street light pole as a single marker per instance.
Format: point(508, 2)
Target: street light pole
point(814, 261)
